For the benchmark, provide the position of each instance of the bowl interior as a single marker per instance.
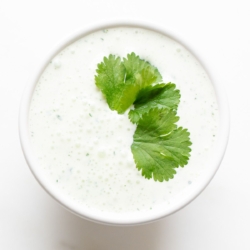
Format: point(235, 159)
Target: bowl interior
point(130, 217)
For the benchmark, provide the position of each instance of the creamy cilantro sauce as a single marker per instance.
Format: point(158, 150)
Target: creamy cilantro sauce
point(84, 147)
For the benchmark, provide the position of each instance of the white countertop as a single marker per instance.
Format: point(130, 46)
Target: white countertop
point(218, 219)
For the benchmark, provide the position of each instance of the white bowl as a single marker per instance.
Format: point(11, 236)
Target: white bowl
point(121, 219)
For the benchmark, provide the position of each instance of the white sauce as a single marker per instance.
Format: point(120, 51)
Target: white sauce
point(84, 147)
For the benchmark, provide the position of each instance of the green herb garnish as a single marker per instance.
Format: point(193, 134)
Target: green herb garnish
point(159, 146)
point(157, 96)
point(120, 82)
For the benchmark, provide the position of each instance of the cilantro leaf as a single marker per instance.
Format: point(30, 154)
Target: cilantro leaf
point(120, 82)
point(159, 146)
point(110, 80)
point(140, 71)
point(158, 96)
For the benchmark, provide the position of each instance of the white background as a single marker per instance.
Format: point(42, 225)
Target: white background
point(218, 219)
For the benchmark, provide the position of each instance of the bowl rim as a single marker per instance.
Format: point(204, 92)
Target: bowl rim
point(110, 219)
